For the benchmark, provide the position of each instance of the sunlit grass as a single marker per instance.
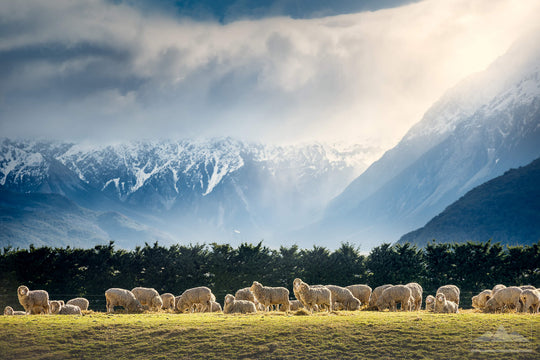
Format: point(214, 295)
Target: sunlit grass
point(362, 335)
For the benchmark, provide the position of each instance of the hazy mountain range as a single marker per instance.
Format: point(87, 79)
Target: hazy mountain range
point(226, 190)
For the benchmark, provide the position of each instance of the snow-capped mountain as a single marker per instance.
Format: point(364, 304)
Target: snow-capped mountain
point(211, 190)
point(481, 128)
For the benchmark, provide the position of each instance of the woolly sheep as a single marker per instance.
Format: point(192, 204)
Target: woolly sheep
point(497, 288)
point(199, 295)
point(33, 302)
point(393, 295)
point(148, 297)
point(295, 305)
point(215, 307)
point(82, 303)
point(168, 301)
point(530, 300)
point(68, 309)
point(315, 296)
point(479, 301)
point(451, 292)
point(508, 296)
point(527, 287)
point(444, 306)
point(244, 294)
point(430, 303)
point(361, 292)
point(416, 291)
point(233, 306)
point(344, 297)
point(269, 296)
point(376, 293)
point(124, 298)
point(9, 311)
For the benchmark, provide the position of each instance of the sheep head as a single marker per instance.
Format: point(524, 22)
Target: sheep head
point(22, 290)
point(441, 298)
point(229, 298)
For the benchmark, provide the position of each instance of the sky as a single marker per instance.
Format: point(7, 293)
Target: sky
point(278, 71)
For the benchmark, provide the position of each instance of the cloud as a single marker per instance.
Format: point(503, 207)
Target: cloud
point(94, 69)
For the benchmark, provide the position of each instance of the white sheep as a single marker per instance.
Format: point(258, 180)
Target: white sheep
point(343, 297)
point(527, 287)
point(361, 292)
point(430, 303)
point(8, 310)
point(497, 288)
point(233, 306)
point(295, 305)
point(67, 309)
point(33, 302)
point(199, 295)
point(168, 301)
point(393, 295)
point(416, 291)
point(123, 298)
point(530, 300)
point(269, 296)
point(479, 301)
point(81, 302)
point(376, 293)
point(315, 296)
point(506, 297)
point(442, 305)
point(451, 292)
point(148, 297)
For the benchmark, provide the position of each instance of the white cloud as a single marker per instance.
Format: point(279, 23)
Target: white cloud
point(358, 76)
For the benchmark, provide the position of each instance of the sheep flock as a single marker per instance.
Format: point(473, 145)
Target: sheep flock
point(308, 299)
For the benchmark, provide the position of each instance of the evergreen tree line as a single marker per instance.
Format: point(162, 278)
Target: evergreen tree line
point(66, 273)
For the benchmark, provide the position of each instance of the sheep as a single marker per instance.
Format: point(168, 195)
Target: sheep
point(9, 311)
point(376, 293)
point(124, 298)
point(508, 296)
point(361, 292)
point(295, 305)
point(527, 287)
point(148, 297)
point(444, 306)
point(479, 301)
point(245, 294)
point(68, 309)
point(315, 296)
point(393, 295)
point(215, 307)
point(416, 291)
point(530, 300)
point(82, 303)
point(451, 292)
point(168, 301)
point(233, 306)
point(199, 295)
point(497, 288)
point(269, 296)
point(33, 302)
point(344, 297)
point(430, 303)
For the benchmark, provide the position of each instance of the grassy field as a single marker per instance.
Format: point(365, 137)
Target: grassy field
point(343, 335)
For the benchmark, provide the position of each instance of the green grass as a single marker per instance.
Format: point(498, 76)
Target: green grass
point(359, 335)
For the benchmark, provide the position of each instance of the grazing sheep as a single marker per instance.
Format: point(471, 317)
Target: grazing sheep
point(508, 296)
point(361, 292)
point(315, 296)
point(497, 288)
point(232, 306)
point(199, 295)
point(269, 296)
point(215, 307)
point(82, 303)
point(393, 295)
point(530, 300)
point(344, 297)
point(244, 294)
point(123, 298)
point(295, 305)
point(430, 303)
point(148, 297)
point(444, 306)
point(33, 302)
point(376, 293)
point(9, 311)
point(168, 301)
point(527, 287)
point(416, 291)
point(451, 292)
point(68, 309)
point(479, 301)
